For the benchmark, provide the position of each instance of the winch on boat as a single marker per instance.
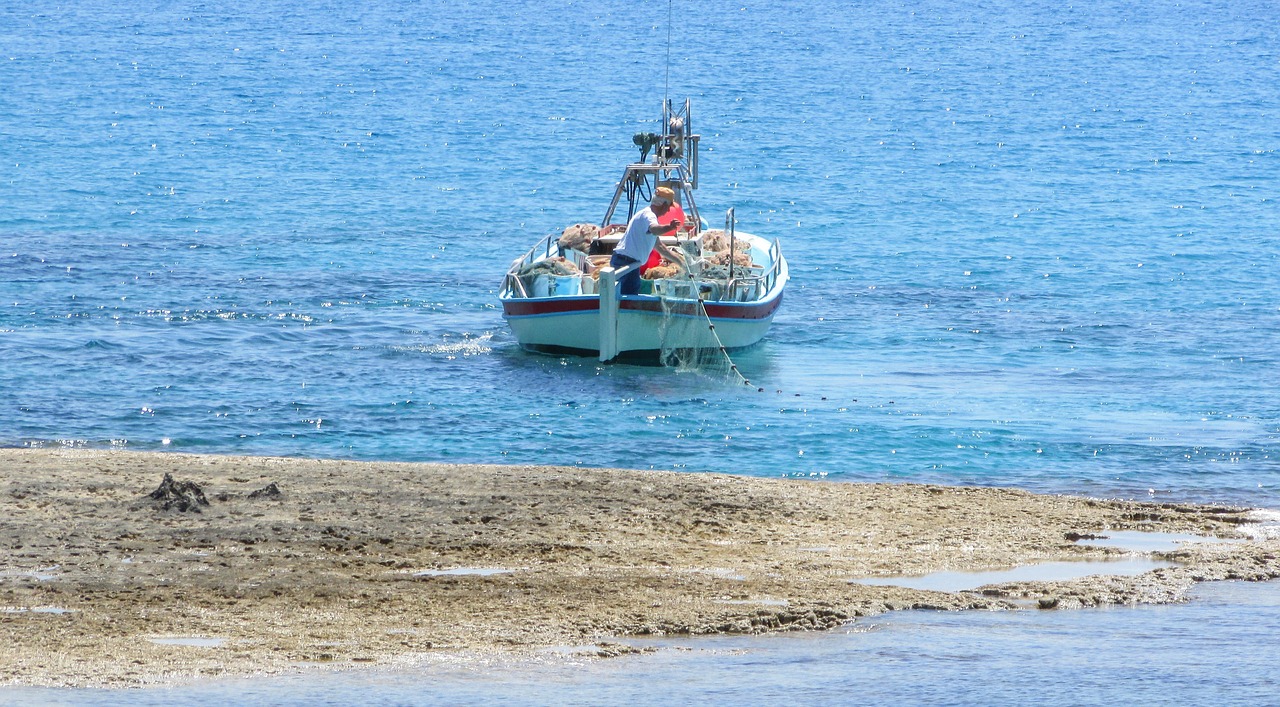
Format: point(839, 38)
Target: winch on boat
point(563, 296)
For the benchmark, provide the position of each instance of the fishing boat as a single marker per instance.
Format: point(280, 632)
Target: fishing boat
point(563, 297)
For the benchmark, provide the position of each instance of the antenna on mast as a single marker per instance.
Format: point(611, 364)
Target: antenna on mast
point(666, 86)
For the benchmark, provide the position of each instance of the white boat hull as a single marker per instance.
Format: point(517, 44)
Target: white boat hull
point(560, 318)
point(572, 324)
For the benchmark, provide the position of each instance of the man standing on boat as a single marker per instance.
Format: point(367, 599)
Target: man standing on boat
point(675, 213)
point(643, 235)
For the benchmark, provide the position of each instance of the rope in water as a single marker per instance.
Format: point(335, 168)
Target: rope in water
point(702, 308)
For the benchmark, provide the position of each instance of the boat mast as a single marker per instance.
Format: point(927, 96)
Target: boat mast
point(674, 164)
point(675, 159)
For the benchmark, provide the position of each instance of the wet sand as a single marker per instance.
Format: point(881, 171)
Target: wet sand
point(355, 563)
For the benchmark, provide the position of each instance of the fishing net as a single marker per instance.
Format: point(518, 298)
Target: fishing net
point(689, 341)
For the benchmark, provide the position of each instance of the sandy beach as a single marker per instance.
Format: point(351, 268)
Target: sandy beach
point(297, 562)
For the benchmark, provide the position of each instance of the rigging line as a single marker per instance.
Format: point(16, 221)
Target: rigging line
point(666, 86)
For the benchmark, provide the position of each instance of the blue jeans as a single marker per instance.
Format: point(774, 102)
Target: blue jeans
point(630, 283)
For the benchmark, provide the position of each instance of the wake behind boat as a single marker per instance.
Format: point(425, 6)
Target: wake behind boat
point(563, 296)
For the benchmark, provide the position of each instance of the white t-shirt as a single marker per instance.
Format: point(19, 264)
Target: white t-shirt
point(638, 241)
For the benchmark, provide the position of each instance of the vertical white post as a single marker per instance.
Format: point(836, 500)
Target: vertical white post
point(730, 225)
point(608, 288)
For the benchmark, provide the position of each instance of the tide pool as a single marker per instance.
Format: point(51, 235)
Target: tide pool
point(1209, 651)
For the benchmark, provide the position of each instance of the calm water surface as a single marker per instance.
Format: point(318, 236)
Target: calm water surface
point(1032, 244)
point(1215, 650)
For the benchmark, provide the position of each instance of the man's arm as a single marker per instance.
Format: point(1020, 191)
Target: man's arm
point(658, 229)
point(669, 254)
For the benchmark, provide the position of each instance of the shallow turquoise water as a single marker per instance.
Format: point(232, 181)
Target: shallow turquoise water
point(1213, 651)
point(1031, 245)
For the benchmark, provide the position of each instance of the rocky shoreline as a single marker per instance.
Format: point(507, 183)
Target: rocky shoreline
point(246, 565)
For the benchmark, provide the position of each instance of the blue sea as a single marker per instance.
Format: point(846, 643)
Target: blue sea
point(1031, 244)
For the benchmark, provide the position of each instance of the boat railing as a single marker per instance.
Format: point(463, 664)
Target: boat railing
point(743, 285)
point(747, 285)
point(543, 249)
point(750, 286)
